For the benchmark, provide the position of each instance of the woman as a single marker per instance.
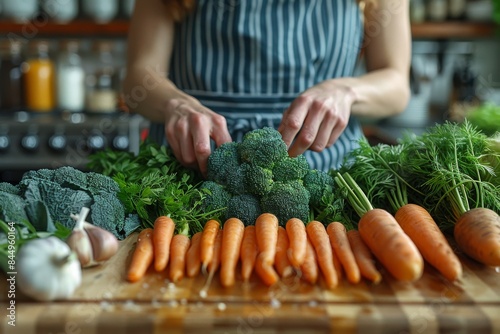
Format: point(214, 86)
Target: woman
point(208, 72)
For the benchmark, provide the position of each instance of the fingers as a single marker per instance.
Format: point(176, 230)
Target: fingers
point(293, 118)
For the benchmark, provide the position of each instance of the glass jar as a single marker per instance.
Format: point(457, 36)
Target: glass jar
point(11, 84)
point(101, 11)
point(60, 11)
point(20, 11)
point(128, 8)
point(70, 78)
point(39, 78)
point(437, 10)
point(101, 91)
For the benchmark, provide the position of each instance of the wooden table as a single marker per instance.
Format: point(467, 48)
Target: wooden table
point(106, 303)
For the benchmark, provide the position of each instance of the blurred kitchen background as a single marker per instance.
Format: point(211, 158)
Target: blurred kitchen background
point(62, 62)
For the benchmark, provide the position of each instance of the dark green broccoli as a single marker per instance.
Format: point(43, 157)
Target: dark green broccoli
point(263, 147)
point(235, 182)
point(287, 200)
point(258, 180)
point(12, 207)
point(9, 188)
point(318, 183)
point(222, 161)
point(291, 168)
point(216, 198)
point(244, 207)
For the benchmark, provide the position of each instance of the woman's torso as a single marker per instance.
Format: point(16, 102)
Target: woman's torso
point(248, 59)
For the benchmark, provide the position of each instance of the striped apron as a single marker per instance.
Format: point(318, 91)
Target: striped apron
point(248, 60)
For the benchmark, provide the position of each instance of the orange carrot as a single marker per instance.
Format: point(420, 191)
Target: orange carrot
point(163, 231)
point(248, 252)
point(319, 239)
point(342, 249)
point(266, 232)
point(363, 256)
point(309, 267)
point(193, 262)
point(390, 245)
point(214, 264)
point(178, 249)
point(142, 256)
point(419, 225)
point(281, 262)
point(477, 233)
point(232, 235)
point(297, 237)
point(207, 242)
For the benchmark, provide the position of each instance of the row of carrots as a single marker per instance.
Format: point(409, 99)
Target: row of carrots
point(306, 249)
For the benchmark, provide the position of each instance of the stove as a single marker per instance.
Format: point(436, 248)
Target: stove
point(34, 140)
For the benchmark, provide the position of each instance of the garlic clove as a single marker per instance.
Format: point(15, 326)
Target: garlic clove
point(104, 243)
point(80, 243)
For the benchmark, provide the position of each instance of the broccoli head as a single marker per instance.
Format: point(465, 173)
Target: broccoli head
point(235, 182)
point(244, 207)
point(222, 161)
point(287, 200)
point(12, 207)
point(318, 183)
point(263, 147)
point(291, 168)
point(216, 198)
point(258, 180)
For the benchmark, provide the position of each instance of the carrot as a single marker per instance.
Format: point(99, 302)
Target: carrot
point(309, 267)
point(477, 233)
point(419, 225)
point(207, 242)
point(319, 239)
point(163, 231)
point(178, 249)
point(363, 256)
point(342, 249)
point(232, 235)
point(266, 232)
point(297, 236)
point(281, 262)
point(390, 245)
point(248, 252)
point(193, 262)
point(142, 256)
point(213, 265)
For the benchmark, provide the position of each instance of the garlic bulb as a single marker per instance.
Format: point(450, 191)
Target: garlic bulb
point(92, 244)
point(47, 269)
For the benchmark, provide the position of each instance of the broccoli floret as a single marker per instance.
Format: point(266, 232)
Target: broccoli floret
point(12, 207)
point(263, 147)
point(222, 161)
point(287, 200)
point(318, 183)
point(258, 180)
point(108, 212)
point(291, 168)
point(235, 182)
point(244, 207)
point(216, 198)
point(9, 188)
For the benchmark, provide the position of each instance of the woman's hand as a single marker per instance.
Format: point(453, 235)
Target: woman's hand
point(317, 117)
point(189, 126)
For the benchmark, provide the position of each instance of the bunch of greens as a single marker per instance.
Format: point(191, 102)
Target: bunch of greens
point(153, 183)
point(485, 117)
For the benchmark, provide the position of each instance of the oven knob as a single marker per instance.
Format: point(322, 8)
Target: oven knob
point(96, 142)
point(57, 142)
point(4, 143)
point(30, 142)
point(121, 142)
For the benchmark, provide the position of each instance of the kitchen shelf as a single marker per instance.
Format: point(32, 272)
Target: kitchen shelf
point(77, 28)
point(454, 30)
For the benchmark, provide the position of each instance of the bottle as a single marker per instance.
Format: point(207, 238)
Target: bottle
point(70, 78)
point(102, 95)
point(101, 11)
point(11, 84)
point(39, 78)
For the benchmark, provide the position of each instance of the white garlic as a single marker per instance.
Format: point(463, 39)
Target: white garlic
point(47, 269)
